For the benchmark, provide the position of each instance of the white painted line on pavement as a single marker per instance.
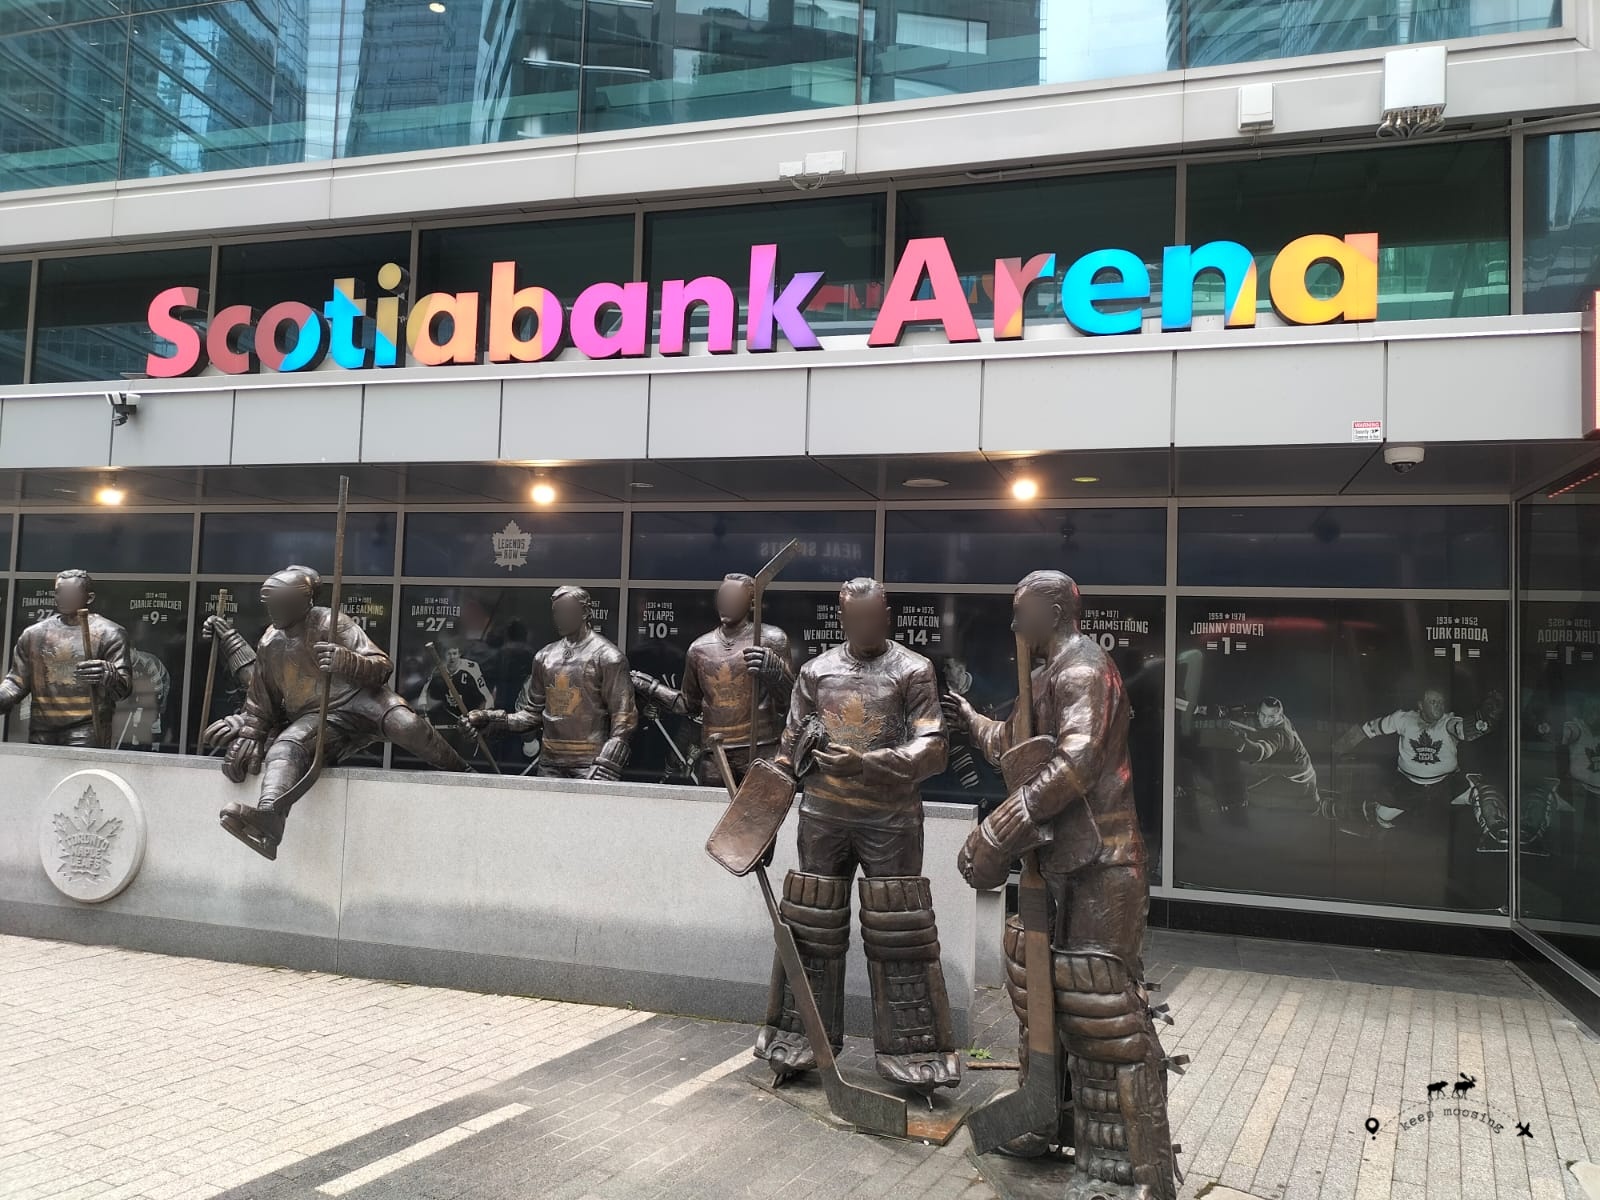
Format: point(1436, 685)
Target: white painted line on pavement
point(393, 1162)
point(709, 1076)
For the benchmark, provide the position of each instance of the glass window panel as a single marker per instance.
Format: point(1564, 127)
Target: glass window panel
point(562, 256)
point(370, 604)
point(1441, 213)
point(1420, 546)
point(1093, 545)
point(5, 543)
point(1561, 546)
point(657, 62)
point(1559, 719)
point(1341, 749)
point(61, 100)
point(257, 544)
point(1561, 222)
point(842, 237)
point(264, 273)
point(219, 87)
point(514, 545)
point(92, 321)
point(130, 543)
point(1232, 31)
point(155, 616)
point(487, 637)
point(15, 280)
point(477, 71)
point(1132, 210)
point(834, 546)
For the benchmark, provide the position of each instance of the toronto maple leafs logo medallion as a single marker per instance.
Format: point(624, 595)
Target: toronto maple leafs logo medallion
point(92, 836)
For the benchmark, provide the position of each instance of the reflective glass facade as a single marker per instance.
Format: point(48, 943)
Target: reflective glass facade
point(94, 90)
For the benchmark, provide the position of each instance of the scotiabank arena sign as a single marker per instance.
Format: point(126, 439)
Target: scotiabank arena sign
point(521, 322)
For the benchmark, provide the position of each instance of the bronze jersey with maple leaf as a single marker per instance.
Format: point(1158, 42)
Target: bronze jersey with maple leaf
point(287, 682)
point(887, 708)
point(44, 666)
point(1080, 805)
point(581, 695)
point(717, 683)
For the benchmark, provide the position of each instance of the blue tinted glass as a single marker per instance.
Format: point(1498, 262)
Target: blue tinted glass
point(1561, 222)
point(476, 71)
point(14, 282)
point(1561, 547)
point(834, 546)
point(563, 256)
point(514, 545)
point(152, 543)
point(656, 62)
point(1466, 546)
point(1231, 31)
point(257, 544)
point(217, 87)
point(974, 46)
point(1441, 212)
point(1093, 545)
point(93, 312)
point(69, 83)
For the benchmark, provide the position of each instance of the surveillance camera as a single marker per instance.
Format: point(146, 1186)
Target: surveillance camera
point(1401, 459)
point(123, 405)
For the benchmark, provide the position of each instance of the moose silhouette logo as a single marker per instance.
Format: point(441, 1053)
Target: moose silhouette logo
point(1465, 1085)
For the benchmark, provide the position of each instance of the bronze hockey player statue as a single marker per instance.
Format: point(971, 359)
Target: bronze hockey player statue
point(275, 734)
point(722, 668)
point(579, 699)
point(75, 666)
point(1074, 810)
point(881, 735)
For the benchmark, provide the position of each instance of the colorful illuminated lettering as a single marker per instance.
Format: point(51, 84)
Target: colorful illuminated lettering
point(186, 356)
point(1083, 288)
point(508, 303)
point(1181, 265)
point(948, 304)
point(1357, 298)
point(630, 339)
point(461, 309)
point(1012, 280)
point(722, 314)
point(771, 310)
point(1104, 292)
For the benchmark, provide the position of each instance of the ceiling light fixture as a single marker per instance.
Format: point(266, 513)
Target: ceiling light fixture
point(1024, 488)
point(543, 493)
point(436, 7)
point(1086, 479)
point(924, 481)
point(108, 493)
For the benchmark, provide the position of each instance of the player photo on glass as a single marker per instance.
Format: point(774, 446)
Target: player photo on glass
point(1343, 749)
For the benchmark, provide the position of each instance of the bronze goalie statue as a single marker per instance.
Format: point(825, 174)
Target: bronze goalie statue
point(1084, 901)
point(865, 718)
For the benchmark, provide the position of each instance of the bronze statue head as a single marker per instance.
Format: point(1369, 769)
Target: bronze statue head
point(74, 592)
point(570, 608)
point(1045, 606)
point(864, 616)
point(735, 595)
point(289, 594)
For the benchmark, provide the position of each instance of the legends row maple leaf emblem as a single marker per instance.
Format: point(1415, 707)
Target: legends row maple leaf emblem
point(84, 839)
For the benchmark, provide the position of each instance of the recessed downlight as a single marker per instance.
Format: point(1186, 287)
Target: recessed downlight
point(924, 481)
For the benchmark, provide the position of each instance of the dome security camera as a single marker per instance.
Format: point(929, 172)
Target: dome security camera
point(1402, 459)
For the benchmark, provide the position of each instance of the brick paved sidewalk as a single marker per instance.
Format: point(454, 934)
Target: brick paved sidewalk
point(131, 1075)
